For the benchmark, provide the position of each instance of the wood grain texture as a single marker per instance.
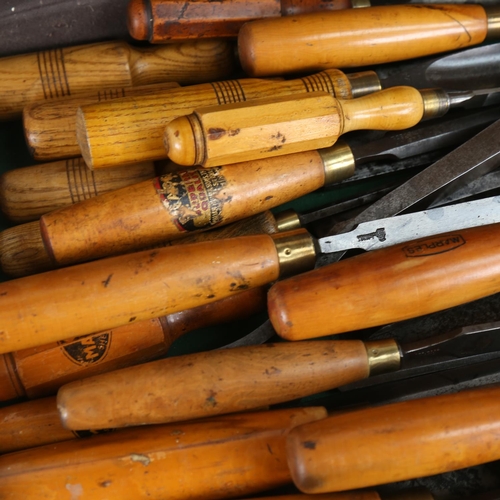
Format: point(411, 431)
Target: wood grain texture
point(162, 21)
point(396, 442)
point(176, 205)
point(277, 126)
point(29, 192)
point(217, 458)
point(50, 126)
point(356, 38)
point(134, 287)
point(210, 383)
point(129, 130)
point(40, 371)
point(392, 284)
point(78, 70)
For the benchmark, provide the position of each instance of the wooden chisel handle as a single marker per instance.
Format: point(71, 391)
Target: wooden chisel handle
point(396, 442)
point(162, 21)
point(413, 494)
point(107, 293)
point(217, 382)
point(360, 37)
point(41, 370)
point(130, 129)
point(263, 128)
point(77, 70)
point(216, 458)
point(400, 282)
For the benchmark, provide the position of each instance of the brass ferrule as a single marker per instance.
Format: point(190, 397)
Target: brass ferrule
point(436, 103)
point(338, 161)
point(383, 356)
point(296, 252)
point(413, 494)
point(363, 83)
point(493, 16)
point(288, 220)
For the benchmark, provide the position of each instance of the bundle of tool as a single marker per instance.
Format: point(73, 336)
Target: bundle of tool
point(252, 249)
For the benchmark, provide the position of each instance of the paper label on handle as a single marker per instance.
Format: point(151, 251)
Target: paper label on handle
point(434, 246)
point(86, 350)
point(190, 197)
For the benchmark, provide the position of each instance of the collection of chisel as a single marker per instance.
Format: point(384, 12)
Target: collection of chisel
point(330, 170)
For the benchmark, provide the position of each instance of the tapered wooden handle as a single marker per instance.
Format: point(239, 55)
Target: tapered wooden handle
point(40, 371)
point(175, 205)
point(210, 383)
point(29, 192)
point(396, 442)
point(339, 39)
point(222, 457)
point(78, 70)
point(134, 287)
point(50, 126)
point(393, 284)
point(270, 127)
point(130, 129)
point(161, 21)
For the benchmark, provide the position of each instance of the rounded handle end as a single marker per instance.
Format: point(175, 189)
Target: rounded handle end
point(138, 20)
point(180, 142)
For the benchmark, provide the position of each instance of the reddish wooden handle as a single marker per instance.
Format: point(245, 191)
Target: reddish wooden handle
point(161, 21)
point(339, 39)
point(223, 457)
point(133, 287)
point(210, 383)
point(392, 284)
point(396, 442)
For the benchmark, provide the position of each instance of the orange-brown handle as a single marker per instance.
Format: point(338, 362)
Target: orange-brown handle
point(130, 129)
point(413, 494)
point(353, 38)
point(263, 128)
point(40, 371)
point(176, 205)
point(396, 442)
point(77, 70)
point(50, 126)
point(161, 21)
point(223, 457)
point(392, 284)
point(133, 287)
point(210, 383)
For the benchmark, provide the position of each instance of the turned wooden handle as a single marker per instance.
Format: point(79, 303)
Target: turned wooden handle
point(161, 21)
point(413, 494)
point(276, 126)
point(353, 38)
point(396, 442)
point(40, 371)
point(134, 287)
point(78, 70)
point(392, 284)
point(210, 383)
point(130, 129)
point(175, 205)
point(223, 457)
point(50, 126)
point(29, 192)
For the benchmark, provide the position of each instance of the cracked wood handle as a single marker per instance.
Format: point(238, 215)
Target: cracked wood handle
point(162, 21)
point(396, 442)
point(133, 287)
point(211, 383)
point(223, 457)
point(269, 127)
point(80, 69)
point(392, 284)
point(339, 39)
